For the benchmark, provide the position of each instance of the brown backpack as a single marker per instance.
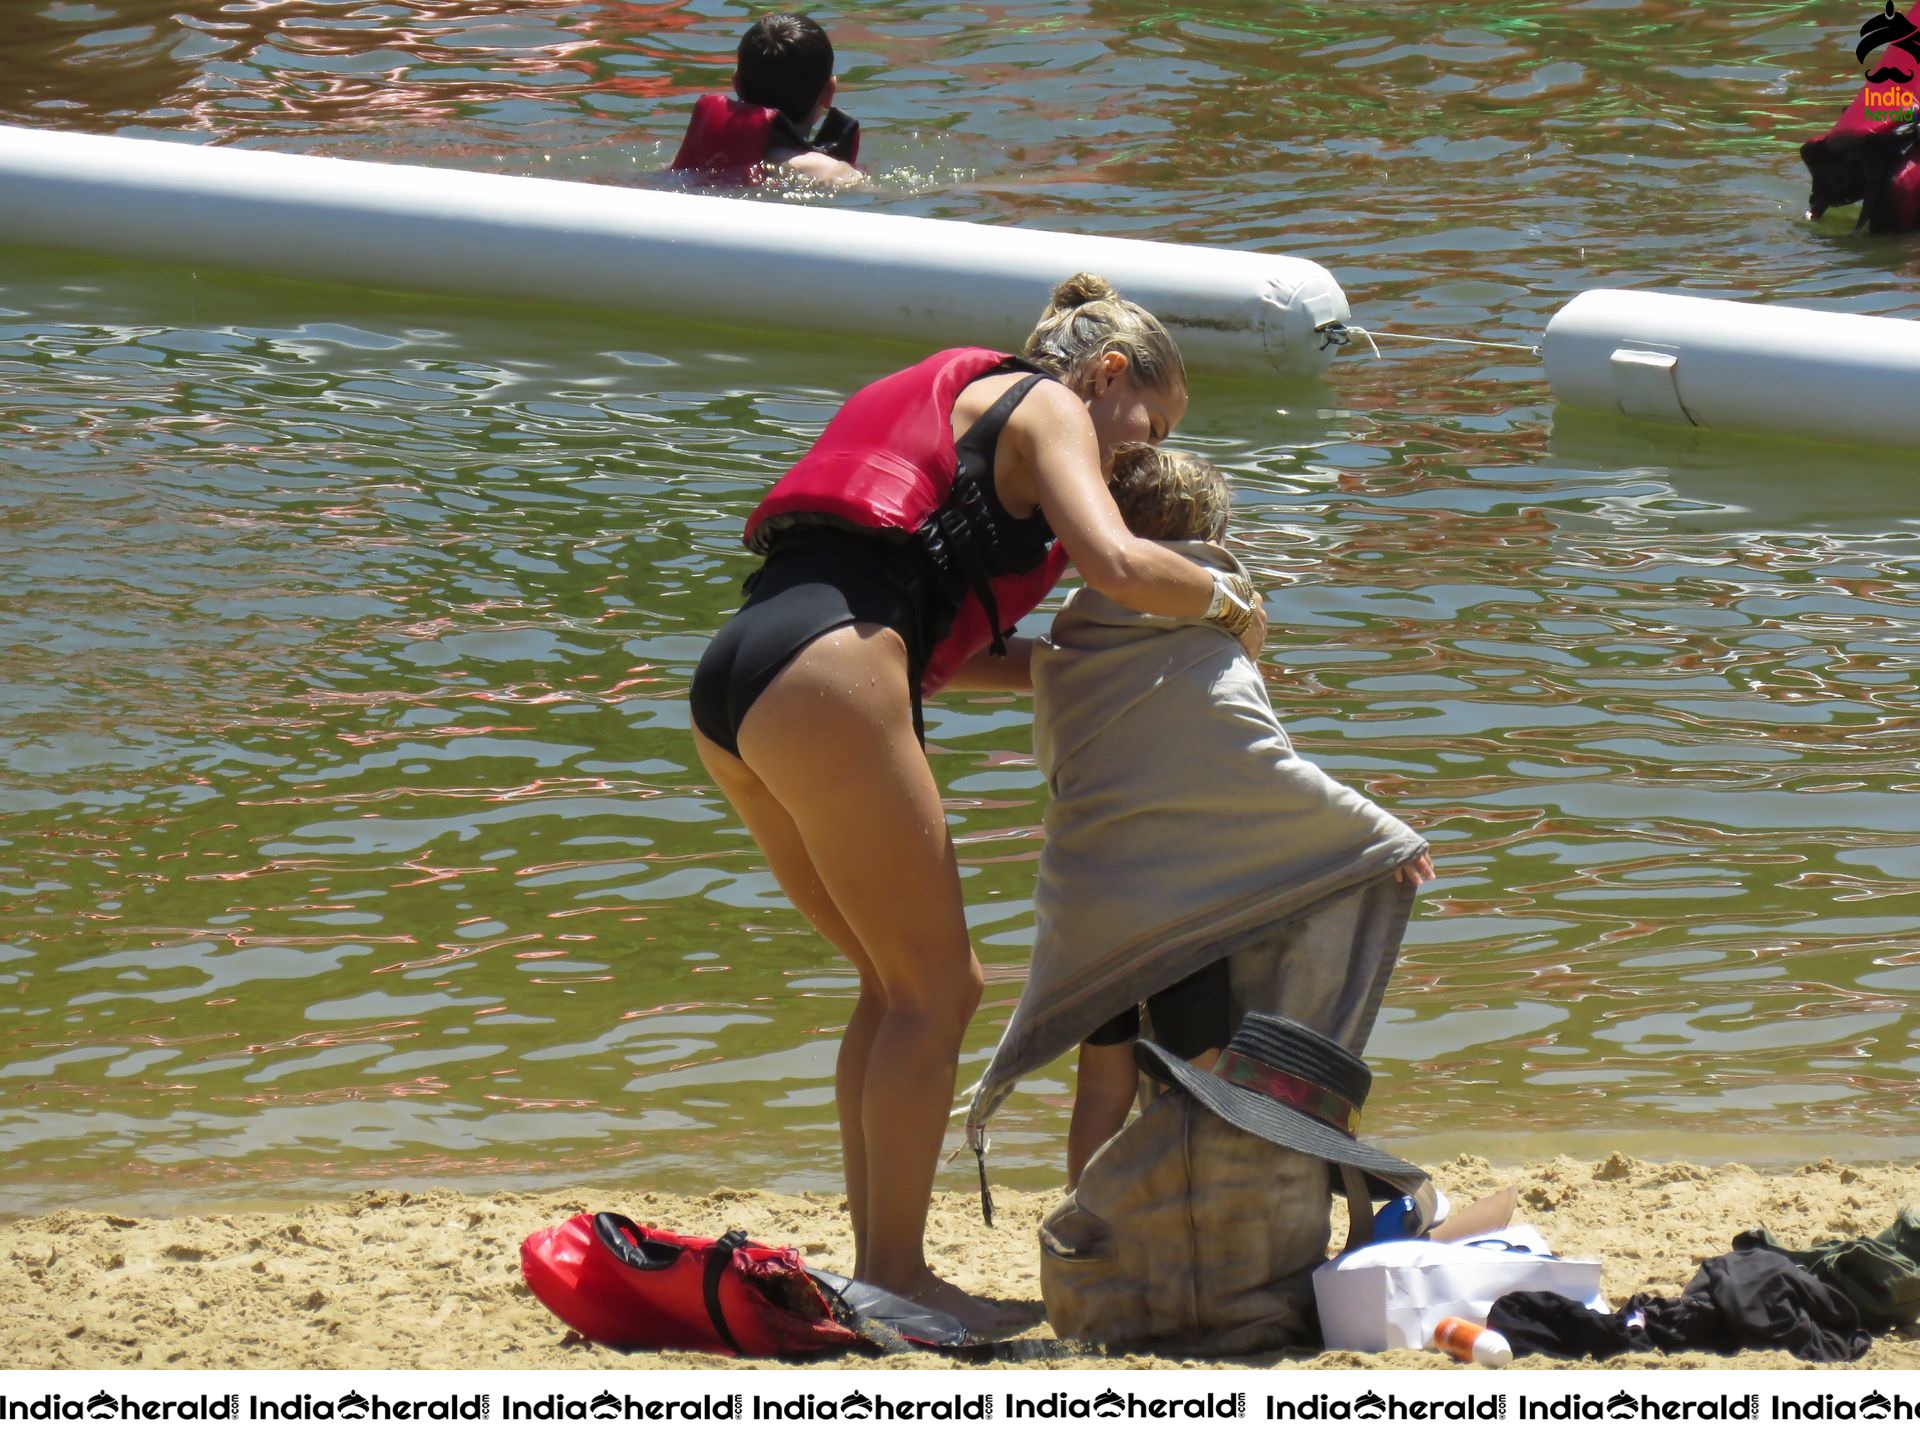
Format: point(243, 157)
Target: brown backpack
point(1194, 1235)
point(1188, 1235)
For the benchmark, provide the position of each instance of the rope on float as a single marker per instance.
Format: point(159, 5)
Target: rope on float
point(1337, 334)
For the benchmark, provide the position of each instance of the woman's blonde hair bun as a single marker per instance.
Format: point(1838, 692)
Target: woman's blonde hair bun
point(1081, 289)
point(1085, 318)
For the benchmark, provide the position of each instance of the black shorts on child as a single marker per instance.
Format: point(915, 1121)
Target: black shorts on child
point(1189, 1016)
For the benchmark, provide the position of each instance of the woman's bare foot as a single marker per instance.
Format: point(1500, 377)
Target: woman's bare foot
point(982, 1317)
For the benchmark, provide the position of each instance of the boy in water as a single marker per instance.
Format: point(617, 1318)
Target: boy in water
point(783, 86)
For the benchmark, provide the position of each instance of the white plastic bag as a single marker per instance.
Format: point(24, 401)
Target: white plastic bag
point(1391, 1295)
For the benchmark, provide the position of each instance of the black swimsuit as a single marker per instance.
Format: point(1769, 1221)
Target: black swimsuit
point(821, 577)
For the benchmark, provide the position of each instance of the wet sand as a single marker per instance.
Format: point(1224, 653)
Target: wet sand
point(390, 1279)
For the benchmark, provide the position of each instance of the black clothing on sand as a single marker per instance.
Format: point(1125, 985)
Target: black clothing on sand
point(1749, 1300)
point(1880, 1276)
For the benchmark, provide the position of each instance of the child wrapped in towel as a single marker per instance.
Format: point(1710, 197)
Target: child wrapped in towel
point(1193, 864)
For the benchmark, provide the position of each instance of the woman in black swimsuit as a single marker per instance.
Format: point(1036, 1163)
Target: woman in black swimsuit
point(806, 709)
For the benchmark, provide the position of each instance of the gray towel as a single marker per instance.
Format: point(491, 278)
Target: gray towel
point(1183, 828)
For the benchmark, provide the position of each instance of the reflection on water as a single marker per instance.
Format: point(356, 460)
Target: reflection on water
point(350, 825)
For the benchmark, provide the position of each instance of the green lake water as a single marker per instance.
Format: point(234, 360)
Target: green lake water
point(350, 831)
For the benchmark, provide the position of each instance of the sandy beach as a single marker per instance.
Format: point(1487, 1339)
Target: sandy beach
point(390, 1279)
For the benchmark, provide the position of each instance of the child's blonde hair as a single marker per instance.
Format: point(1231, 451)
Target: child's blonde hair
point(1169, 494)
point(1085, 318)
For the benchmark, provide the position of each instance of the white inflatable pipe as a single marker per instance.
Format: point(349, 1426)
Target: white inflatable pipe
point(739, 262)
point(1724, 365)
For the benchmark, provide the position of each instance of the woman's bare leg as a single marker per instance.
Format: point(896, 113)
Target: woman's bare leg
point(773, 830)
point(832, 741)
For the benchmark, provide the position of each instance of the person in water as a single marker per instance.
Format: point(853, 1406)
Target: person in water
point(900, 550)
point(783, 87)
point(1162, 496)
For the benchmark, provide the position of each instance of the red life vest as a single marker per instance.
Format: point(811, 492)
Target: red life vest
point(1871, 152)
point(631, 1287)
point(887, 462)
point(726, 134)
point(729, 137)
point(1904, 194)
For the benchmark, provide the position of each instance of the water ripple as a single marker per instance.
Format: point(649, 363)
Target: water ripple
point(351, 826)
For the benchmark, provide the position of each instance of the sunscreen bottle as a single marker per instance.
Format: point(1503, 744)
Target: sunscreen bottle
point(1464, 1341)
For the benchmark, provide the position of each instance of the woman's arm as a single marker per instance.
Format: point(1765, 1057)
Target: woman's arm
point(1070, 485)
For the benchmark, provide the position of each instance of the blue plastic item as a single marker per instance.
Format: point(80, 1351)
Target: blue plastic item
point(1395, 1220)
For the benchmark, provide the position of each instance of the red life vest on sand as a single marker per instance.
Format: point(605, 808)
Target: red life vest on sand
point(630, 1287)
point(887, 462)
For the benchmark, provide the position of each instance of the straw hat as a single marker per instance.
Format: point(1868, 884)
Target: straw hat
point(1284, 1083)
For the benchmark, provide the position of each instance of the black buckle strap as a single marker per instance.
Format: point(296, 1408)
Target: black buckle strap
point(718, 1259)
point(838, 136)
point(986, 1190)
point(959, 536)
point(963, 536)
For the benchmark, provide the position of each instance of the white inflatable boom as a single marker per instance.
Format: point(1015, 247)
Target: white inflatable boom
point(739, 262)
point(1720, 364)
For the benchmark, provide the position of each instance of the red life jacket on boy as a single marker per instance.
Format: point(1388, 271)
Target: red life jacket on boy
point(887, 462)
point(632, 1287)
point(726, 133)
point(729, 137)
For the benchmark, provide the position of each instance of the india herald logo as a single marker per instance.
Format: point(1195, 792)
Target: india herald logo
point(1893, 99)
